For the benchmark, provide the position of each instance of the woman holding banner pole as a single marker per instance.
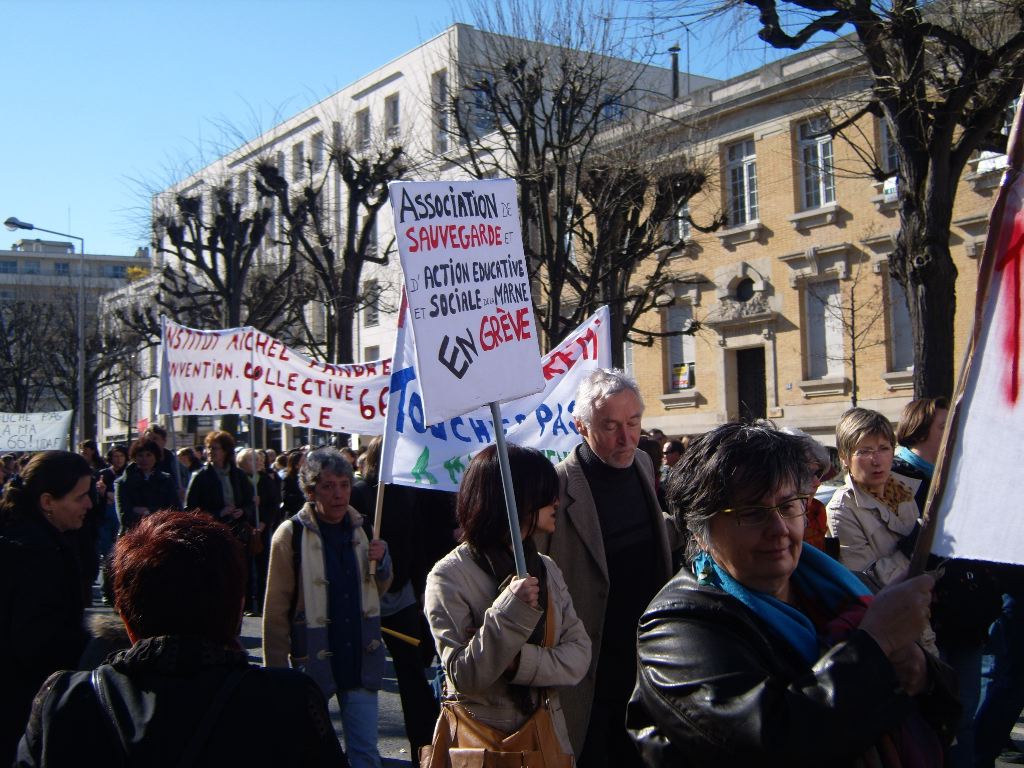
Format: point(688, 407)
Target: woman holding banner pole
point(505, 642)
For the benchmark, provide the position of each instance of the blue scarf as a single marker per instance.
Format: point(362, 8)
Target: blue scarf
point(924, 467)
point(817, 576)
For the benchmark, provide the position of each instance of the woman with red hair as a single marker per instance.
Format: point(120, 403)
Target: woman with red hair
point(184, 693)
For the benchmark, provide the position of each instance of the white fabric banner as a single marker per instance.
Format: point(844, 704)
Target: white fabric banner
point(238, 369)
point(977, 511)
point(35, 431)
point(436, 456)
point(468, 290)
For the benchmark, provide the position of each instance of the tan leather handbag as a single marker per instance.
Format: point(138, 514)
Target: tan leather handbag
point(461, 741)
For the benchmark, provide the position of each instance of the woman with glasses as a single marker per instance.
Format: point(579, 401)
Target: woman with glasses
point(766, 652)
point(874, 516)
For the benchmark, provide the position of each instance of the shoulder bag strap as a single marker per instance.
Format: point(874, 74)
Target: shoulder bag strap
point(198, 740)
point(99, 687)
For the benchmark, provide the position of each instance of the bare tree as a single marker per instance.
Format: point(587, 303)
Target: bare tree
point(27, 333)
point(219, 274)
point(334, 258)
point(629, 249)
point(941, 75)
point(535, 104)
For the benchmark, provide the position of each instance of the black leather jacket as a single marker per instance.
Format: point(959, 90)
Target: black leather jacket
point(715, 687)
point(160, 692)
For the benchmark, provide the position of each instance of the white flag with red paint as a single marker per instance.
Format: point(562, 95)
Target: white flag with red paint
point(979, 511)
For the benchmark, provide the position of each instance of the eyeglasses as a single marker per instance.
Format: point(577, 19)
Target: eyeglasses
point(870, 453)
point(753, 516)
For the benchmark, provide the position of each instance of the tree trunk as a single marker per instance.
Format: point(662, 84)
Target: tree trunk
point(924, 266)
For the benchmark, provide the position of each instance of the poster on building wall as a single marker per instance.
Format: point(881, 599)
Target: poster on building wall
point(35, 431)
point(468, 290)
point(435, 456)
point(234, 370)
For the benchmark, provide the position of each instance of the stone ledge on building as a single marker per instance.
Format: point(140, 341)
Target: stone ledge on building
point(744, 233)
point(899, 380)
point(685, 398)
point(825, 387)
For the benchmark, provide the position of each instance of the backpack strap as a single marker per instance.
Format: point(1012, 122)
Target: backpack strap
point(296, 562)
point(99, 686)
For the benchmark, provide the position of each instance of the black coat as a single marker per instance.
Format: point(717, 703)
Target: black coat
point(41, 614)
point(133, 489)
point(401, 529)
point(162, 689)
point(206, 493)
point(716, 687)
point(292, 497)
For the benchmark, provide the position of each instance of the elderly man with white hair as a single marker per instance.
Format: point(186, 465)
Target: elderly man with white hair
point(612, 542)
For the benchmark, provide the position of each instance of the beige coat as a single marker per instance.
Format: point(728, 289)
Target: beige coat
point(578, 548)
point(868, 531)
point(478, 634)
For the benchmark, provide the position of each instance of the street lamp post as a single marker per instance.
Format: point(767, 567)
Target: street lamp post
point(14, 224)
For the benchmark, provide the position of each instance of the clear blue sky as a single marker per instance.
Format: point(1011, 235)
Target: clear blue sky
point(104, 98)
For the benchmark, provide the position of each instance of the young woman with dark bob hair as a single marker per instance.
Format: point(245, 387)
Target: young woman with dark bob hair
point(184, 693)
point(489, 625)
point(41, 606)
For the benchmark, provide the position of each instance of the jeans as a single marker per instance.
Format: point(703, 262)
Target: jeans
point(359, 726)
point(1003, 695)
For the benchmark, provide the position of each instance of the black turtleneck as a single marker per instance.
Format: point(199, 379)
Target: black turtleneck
point(623, 510)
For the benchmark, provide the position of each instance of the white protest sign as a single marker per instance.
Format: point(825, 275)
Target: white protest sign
point(436, 456)
point(468, 290)
point(233, 370)
point(35, 431)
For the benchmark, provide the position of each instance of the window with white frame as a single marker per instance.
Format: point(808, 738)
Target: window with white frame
point(815, 148)
point(371, 294)
point(439, 93)
point(316, 152)
point(242, 188)
point(298, 161)
point(889, 153)
point(741, 173)
point(363, 130)
point(62, 268)
point(627, 359)
point(392, 116)
point(482, 114)
point(681, 365)
point(677, 228)
point(824, 329)
point(370, 226)
point(612, 109)
point(371, 353)
point(996, 161)
point(901, 337)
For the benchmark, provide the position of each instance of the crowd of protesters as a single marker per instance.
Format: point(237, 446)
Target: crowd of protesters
point(790, 632)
